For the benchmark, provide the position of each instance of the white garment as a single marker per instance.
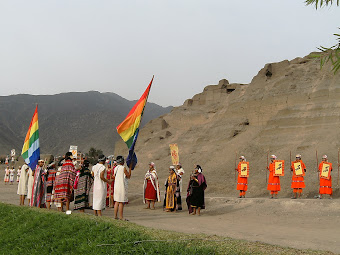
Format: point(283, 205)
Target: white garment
point(30, 183)
point(179, 171)
point(22, 187)
point(11, 175)
point(121, 185)
point(99, 187)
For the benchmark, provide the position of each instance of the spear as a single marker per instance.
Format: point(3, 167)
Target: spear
point(338, 166)
point(267, 165)
point(317, 163)
point(235, 163)
point(290, 160)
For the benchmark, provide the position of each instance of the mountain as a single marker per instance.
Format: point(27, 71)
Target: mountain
point(289, 107)
point(86, 119)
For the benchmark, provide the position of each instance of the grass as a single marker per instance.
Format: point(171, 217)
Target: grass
point(26, 230)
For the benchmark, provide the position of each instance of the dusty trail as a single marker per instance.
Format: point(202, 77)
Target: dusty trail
point(303, 224)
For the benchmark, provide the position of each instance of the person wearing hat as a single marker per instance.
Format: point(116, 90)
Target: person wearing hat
point(298, 182)
point(325, 182)
point(171, 190)
point(273, 181)
point(99, 186)
point(121, 176)
point(151, 192)
point(195, 191)
point(39, 185)
point(242, 182)
point(64, 181)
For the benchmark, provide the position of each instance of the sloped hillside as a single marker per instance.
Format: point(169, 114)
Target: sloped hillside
point(289, 107)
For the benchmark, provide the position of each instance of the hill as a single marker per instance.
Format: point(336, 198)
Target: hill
point(86, 119)
point(289, 107)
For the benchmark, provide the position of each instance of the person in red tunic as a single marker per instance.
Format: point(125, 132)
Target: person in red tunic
point(242, 182)
point(109, 194)
point(298, 182)
point(273, 181)
point(325, 183)
point(151, 187)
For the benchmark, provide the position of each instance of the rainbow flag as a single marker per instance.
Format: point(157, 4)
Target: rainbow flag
point(129, 128)
point(31, 150)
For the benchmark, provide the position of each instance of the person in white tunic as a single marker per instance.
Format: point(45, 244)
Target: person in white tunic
point(121, 174)
point(30, 185)
point(11, 175)
point(99, 186)
point(22, 187)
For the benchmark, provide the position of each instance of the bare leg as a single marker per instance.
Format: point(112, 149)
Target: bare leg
point(199, 211)
point(95, 213)
point(148, 204)
point(48, 204)
point(82, 210)
point(121, 207)
point(153, 204)
point(99, 212)
point(194, 211)
point(116, 210)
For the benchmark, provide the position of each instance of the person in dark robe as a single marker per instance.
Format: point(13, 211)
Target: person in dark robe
point(195, 192)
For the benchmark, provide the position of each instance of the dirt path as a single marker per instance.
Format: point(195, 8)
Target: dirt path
point(304, 224)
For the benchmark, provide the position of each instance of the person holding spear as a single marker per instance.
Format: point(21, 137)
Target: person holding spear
point(298, 182)
point(324, 170)
point(274, 181)
point(242, 179)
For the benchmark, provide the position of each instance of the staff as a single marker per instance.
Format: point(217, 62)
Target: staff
point(290, 161)
point(338, 167)
point(235, 163)
point(267, 165)
point(317, 163)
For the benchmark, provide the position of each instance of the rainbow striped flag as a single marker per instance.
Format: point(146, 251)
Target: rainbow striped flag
point(31, 149)
point(129, 128)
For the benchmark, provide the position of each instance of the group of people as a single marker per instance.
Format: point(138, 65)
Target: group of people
point(174, 188)
point(9, 175)
point(66, 182)
point(298, 169)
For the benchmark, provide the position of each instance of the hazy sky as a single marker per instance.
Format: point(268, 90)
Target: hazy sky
point(53, 46)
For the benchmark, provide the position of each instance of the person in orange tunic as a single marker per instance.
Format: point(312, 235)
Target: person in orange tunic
point(273, 181)
point(242, 182)
point(325, 184)
point(298, 182)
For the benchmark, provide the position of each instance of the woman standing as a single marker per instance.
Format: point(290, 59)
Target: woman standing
point(121, 176)
point(81, 194)
point(6, 178)
point(99, 186)
point(195, 195)
point(11, 175)
point(171, 190)
point(110, 187)
point(151, 187)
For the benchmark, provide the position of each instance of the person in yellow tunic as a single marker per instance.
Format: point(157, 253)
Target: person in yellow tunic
point(325, 181)
point(171, 190)
point(242, 182)
point(298, 181)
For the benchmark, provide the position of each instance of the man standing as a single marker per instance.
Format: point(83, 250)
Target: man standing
point(64, 182)
point(325, 169)
point(242, 179)
point(273, 181)
point(39, 184)
point(298, 183)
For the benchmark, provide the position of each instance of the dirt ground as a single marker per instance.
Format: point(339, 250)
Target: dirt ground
point(303, 223)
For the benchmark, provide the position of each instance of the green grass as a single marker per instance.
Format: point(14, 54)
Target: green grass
point(26, 230)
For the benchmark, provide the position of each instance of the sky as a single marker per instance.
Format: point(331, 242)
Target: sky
point(55, 46)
